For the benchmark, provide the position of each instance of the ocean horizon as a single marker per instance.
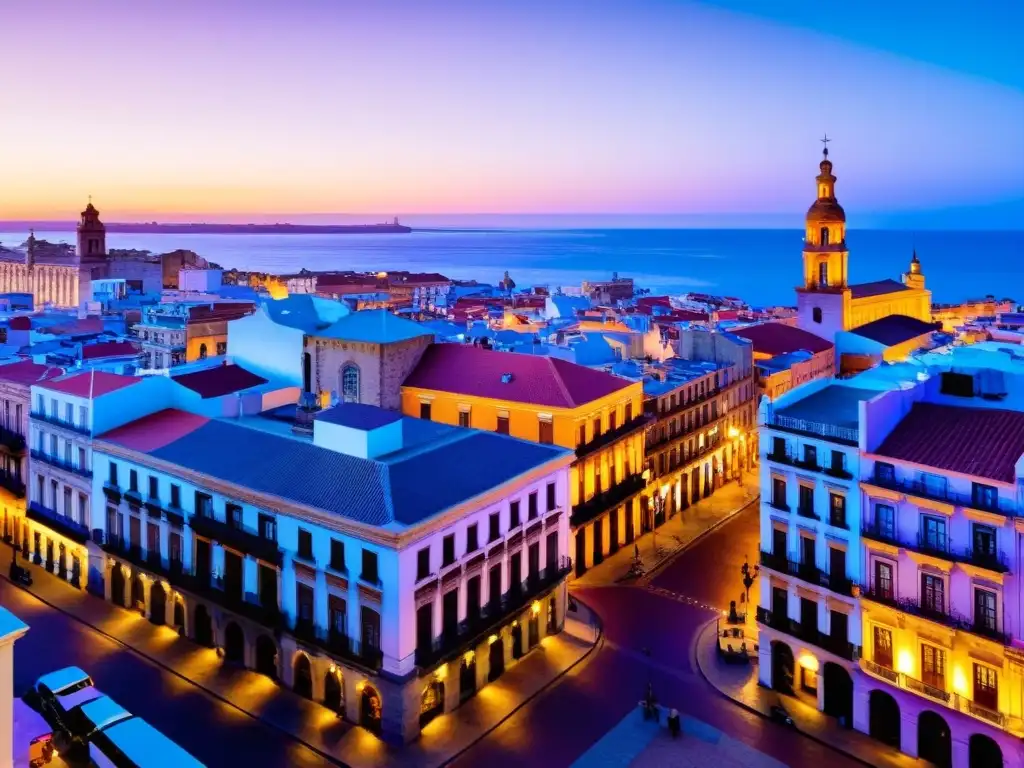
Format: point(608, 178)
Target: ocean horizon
point(760, 266)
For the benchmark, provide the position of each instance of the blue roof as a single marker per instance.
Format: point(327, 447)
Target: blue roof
point(358, 416)
point(439, 466)
point(306, 312)
point(374, 326)
point(62, 678)
point(678, 372)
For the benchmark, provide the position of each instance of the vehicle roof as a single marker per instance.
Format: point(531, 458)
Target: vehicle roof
point(71, 700)
point(145, 746)
point(62, 678)
point(104, 711)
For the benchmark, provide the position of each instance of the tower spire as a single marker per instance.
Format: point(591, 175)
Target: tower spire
point(825, 140)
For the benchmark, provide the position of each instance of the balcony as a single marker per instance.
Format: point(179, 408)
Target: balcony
point(837, 583)
point(942, 547)
point(804, 571)
point(807, 464)
point(774, 620)
point(931, 691)
point(470, 632)
point(837, 646)
point(983, 558)
point(119, 547)
point(602, 502)
point(238, 538)
point(13, 441)
point(338, 645)
point(57, 522)
point(780, 458)
point(838, 521)
point(840, 473)
point(938, 614)
point(67, 466)
point(941, 493)
point(938, 546)
point(609, 437)
point(831, 432)
point(880, 533)
point(808, 512)
point(244, 604)
point(13, 484)
point(779, 505)
point(59, 422)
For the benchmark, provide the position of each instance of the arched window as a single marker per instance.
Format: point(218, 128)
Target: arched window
point(823, 274)
point(202, 351)
point(350, 384)
point(824, 235)
point(816, 314)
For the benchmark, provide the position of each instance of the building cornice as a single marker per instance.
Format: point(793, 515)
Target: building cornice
point(396, 540)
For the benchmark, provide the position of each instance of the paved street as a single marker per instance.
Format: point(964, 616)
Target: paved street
point(181, 710)
point(559, 727)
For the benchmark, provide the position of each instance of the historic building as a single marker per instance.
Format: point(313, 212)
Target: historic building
point(826, 301)
point(173, 333)
point(551, 401)
point(386, 567)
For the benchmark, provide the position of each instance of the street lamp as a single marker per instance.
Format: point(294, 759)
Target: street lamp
point(749, 574)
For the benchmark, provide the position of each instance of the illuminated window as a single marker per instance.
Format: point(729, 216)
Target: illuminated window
point(350, 384)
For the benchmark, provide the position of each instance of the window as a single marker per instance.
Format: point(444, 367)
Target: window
point(202, 351)
point(350, 385)
point(983, 538)
point(629, 413)
point(369, 572)
point(532, 506)
point(883, 647)
point(174, 549)
point(885, 521)
point(370, 621)
point(337, 555)
point(837, 510)
point(935, 486)
point(612, 419)
point(810, 456)
point(838, 461)
point(233, 513)
point(113, 474)
point(425, 411)
point(986, 687)
point(933, 666)
point(153, 539)
point(816, 314)
point(69, 413)
point(304, 603)
point(133, 480)
point(67, 510)
point(336, 616)
point(176, 496)
point(582, 440)
point(154, 487)
point(513, 515)
point(268, 527)
point(204, 505)
point(472, 543)
point(222, 348)
point(502, 425)
point(494, 531)
point(885, 473)
point(779, 447)
point(883, 586)
point(82, 506)
point(957, 384)
point(546, 432)
point(984, 496)
point(552, 502)
point(806, 507)
point(305, 544)
point(933, 533)
point(448, 550)
point(423, 563)
point(984, 609)
point(53, 446)
point(464, 418)
point(779, 493)
point(597, 427)
point(933, 594)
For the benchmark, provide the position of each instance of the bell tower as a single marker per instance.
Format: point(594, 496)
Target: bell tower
point(823, 299)
point(92, 235)
point(914, 277)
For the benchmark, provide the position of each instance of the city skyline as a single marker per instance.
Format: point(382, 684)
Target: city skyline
point(684, 113)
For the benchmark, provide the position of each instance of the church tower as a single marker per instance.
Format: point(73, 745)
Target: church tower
point(823, 301)
point(914, 277)
point(92, 235)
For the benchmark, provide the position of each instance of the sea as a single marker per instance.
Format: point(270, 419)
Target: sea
point(762, 267)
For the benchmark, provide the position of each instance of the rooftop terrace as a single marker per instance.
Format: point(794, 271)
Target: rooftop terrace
point(831, 412)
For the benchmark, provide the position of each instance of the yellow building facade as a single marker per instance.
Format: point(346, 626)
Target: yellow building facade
point(606, 433)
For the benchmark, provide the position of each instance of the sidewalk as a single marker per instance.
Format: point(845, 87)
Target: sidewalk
point(675, 534)
point(306, 721)
point(739, 682)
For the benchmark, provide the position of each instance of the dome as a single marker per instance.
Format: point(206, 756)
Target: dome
point(826, 211)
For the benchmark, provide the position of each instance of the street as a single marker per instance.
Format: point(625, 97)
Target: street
point(213, 731)
point(558, 727)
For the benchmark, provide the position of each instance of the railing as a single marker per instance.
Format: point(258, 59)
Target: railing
point(118, 546)
point(887, 673)
point(993, 561)
point(12, 483)
point(808, 512)
point(779, 505)
point(246, 604)
point(941, 493)
point(601, 502)
point(938, 614)
point(609, 437)
point(821, 429)
point(247, 541)
point(940, 546)
point(470, 631)
point(67, 466)
point(780, 458)
point(810, 466)
point(837, 583)
point(338, 644)
point(837, 646)
point(59, 422)
point(13, 441)
point(934, 545)
point(839, 472)
point(879, 533)
point(57, 522)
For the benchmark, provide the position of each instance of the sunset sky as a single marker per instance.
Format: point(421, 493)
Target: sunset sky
point(248, 109)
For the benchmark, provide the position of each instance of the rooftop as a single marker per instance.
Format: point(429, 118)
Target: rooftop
point(779, 339)
point(219, 380)
point(983, 442)
point(511, 377)
point(305, 312)
point(676, 373)
point(373, 326)
point(27, 372)
point(895, 329)
point(90, 383)
point(358, 416)
point(835, 404)
point(876, 288)
point(438, 467)
point(109, 349)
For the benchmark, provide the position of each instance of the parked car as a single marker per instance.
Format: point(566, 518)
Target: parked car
point(85, 720)
point(56, 693)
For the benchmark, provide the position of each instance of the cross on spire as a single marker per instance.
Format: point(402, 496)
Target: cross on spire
point(825, 140)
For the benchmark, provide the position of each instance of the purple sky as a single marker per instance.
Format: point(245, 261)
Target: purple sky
point(243, 108)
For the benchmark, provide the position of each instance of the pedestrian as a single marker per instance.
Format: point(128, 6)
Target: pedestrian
point(673, 722)
point(636, 552)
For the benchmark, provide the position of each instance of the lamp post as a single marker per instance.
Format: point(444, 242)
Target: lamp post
point(749, 574)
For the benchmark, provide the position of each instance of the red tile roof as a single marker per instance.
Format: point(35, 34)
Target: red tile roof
point(96, 382)
point(780, 339)
point(156, 430)
point(219, 380)
point(109, 349)
point(27, 372)
point(225, 310)
point(536, 380)
point(984, 442)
